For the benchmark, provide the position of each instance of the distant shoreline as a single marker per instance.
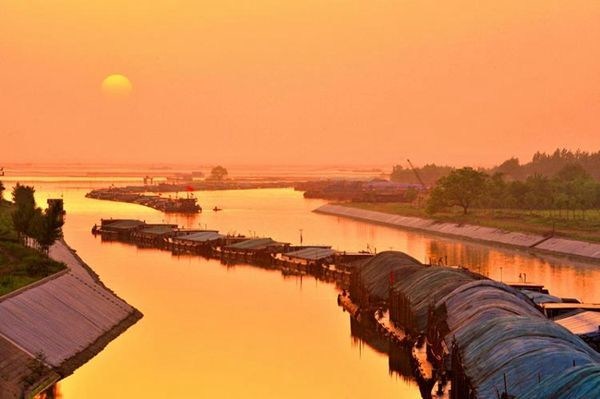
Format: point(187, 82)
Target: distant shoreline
point(583, 250)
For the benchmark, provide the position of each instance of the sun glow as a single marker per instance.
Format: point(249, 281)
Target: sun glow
point(116, 85)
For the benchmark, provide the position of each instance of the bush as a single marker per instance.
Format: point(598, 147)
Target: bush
point(39, 266)
point(6, 282)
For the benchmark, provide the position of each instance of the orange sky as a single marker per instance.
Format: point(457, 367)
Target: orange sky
point(298, 81)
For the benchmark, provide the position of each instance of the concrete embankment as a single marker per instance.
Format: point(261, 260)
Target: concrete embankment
point(51, 328)
point(489, 235)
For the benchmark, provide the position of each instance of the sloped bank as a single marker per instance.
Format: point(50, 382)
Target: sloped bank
point(49, 329)
point(532, 242)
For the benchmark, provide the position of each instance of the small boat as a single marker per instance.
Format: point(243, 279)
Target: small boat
point(217, 209)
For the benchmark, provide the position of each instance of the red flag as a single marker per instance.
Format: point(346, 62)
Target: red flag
point(189, 188)
point(391, 278)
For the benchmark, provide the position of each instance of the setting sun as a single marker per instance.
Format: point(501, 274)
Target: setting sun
point(116, 85)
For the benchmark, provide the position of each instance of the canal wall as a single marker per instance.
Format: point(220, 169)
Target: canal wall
point(488, 235)
point(59, 324)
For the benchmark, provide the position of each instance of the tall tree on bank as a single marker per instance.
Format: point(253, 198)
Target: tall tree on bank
point(46, 226)
point(2, 188)
point(462, 187)
point(24, 213)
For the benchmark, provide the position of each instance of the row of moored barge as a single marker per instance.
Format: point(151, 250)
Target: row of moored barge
point(472, 337)
point(469, 337)
point(319, 260)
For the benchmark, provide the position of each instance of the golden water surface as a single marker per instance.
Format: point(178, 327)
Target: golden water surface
point(242, 332)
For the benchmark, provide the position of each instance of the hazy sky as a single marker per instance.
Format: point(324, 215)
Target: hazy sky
point(298, 81)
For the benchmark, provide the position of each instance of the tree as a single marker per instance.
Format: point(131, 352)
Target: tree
point(2, 188)
point(218, 173)
point(540, 192)
point(23, 196)
point(24, 211)
point(495, 195)
point(462, 187)
point(46, 226)
point(587, 191)
point(517, 191)
point(510, 167)
point(578, 186)
point(571, 172)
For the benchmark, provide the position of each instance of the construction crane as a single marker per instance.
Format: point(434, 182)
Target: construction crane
point(417, 174)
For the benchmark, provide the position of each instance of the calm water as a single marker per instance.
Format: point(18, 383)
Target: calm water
point(216, 331)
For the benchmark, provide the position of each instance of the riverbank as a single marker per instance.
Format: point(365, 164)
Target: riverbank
point(52, 327)
point(574, 225)
point(589, 251)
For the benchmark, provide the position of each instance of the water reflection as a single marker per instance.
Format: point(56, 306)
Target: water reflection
point(399, 362)
point(243, 331)
point(563, 276)
point(51, 393)
point(280, 213)
point(362, 334)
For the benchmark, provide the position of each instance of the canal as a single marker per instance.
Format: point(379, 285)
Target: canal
point(230, 332)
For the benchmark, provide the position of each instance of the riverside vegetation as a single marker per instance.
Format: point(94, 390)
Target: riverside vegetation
point(566, 202)
point(23, 222)
point(546, 164)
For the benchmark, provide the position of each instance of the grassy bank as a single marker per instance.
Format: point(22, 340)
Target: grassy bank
point(578, 226)
point(19, 265)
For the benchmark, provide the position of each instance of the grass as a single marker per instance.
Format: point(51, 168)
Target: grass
point(574, 225)
point(19, 265)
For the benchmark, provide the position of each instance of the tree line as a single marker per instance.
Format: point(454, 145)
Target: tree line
point(545, 164)
point(550, 164)
point(30, 221)
point(572, 189)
